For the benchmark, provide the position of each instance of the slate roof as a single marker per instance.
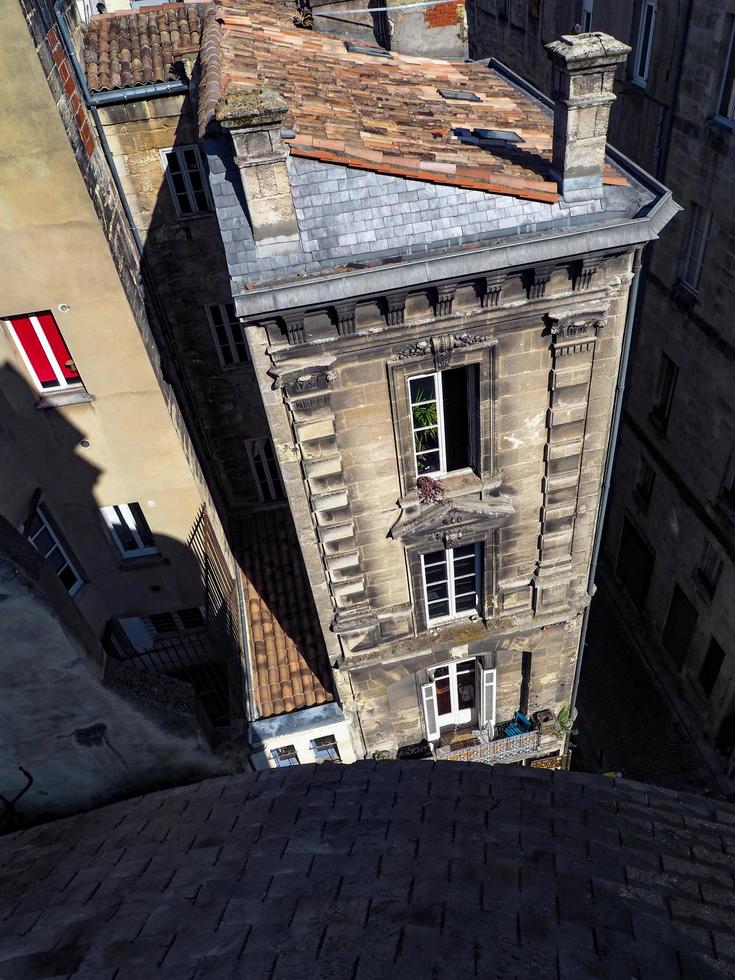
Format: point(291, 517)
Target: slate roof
point(377, 871)
point(375, 113)
point(123, 50)
point(289, 658)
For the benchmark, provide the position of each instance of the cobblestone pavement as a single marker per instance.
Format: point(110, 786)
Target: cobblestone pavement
point(628, 721)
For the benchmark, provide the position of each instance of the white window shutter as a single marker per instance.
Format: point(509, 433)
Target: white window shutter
point(487, 696)
point(428, 695)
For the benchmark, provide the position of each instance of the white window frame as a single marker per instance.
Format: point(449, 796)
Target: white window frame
point(57, 546)
point(729, 117)
point(117, 513)
point(472, 429)
point(451, 595)
point(324, 750)
point(277, 759)
point(233, 332)
point(641, 77)
point(587, 6)
point(485, 700)
point(275, 494)
point(52, 359)
point(693, 265)
point(196, 212)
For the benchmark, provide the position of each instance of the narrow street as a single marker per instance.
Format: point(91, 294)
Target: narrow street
point(627, 720)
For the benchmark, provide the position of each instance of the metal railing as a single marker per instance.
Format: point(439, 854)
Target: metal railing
point(500, 748)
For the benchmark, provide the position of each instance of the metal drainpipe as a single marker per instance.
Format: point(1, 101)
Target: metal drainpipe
point(609, 464)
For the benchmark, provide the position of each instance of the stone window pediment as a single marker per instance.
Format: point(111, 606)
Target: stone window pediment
point(451, 521)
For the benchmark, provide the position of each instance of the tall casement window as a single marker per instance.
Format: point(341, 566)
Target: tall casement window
point(43, 351)
point(325, 749)
point(457, 695)
point(644, 42)
point(227, 333)
point(710, 669)
point(666, 383)
point(726, 102)
point(452, 582)
point(709, 570)
point(444, 420)
point(696, 247)
point(264, 466)
point(644, 484)
point(587, 16)
point(46, 540)
point(129, 530)
point(187, 180)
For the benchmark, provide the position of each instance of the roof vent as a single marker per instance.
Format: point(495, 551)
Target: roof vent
point(366, 49)
point(498, 136)
point(458, 94)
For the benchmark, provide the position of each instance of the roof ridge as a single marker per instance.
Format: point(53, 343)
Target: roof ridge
point(210, 59)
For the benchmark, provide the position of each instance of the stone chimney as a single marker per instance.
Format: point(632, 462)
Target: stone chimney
point(254, 119)
point(584, 68)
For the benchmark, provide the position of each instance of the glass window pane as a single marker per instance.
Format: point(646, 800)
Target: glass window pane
point(464, 551)
point(437, 573)
point(43, 542)
point(423, 389)
point(466, 602)
point(428, 462)
point(436, 591)
point(438, 609)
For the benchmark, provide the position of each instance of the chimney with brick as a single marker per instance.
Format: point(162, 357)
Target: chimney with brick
point(254, 119)
point(584, 68)
point(435, 31)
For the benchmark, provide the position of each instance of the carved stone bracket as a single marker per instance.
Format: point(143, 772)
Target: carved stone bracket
point(294, 324)
point(443, 299)
point(536, 280)
point(345, 315)
point(420, 348)
point(584, 272)
point(395, 309)
point(443, 346)
point(491, 288)
point(575, 333)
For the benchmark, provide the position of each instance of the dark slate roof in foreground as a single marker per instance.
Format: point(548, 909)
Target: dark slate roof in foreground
point(374, 871)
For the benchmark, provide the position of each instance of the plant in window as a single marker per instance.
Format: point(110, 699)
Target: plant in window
point(563, 725)
point(430, 490)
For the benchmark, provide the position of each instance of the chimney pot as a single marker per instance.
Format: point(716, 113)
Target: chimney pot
point(584, 69)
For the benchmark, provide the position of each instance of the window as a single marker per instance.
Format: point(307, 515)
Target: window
point(325, 749)
point(644, 44)
point(227, 333)
point(587, 16)
point(452, 581)
point(458, 694)
point(187, 180)
point(709, 569)
point(667, 376)
point(43, 351)
point(172, 623)
point(710, 669)
point(265, 469)
point(41, 534)
point(696, 247)
point(285, 755)
point(644, 483)
point(129, 530)
point(726, 102)
point(444, 420)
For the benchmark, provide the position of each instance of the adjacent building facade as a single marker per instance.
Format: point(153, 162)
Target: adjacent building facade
point(670, 530)
point(396, 291)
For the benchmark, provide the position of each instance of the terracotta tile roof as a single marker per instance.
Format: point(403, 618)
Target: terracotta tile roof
point(377, 113)
point(122, 50)
point(289, 658)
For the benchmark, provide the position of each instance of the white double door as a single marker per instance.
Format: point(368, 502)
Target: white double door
point(459, 695)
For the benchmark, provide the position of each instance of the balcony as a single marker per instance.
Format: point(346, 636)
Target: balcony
point(475, 745)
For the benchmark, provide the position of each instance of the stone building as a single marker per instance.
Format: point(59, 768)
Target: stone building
point(397, 292)
point(670, 529)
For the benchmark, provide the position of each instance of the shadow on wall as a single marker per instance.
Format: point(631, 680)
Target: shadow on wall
point(88, 728)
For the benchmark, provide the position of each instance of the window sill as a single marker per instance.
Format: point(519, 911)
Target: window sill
point(684, 295)
point(723, 122)
point(142, 561)
point(705, 589)
point(58, 399)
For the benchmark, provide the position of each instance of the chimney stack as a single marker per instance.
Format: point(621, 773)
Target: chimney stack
point(254, 119)
point(584, 68)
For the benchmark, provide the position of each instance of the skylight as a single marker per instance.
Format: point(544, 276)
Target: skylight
point(366, 49)
point(498, 135)
point(458, 94)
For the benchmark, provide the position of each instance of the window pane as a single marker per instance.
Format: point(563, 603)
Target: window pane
point(423, 389)
point(465, 603)
point(443, 696)
point(141, 525)
point(438, 609)
point(428, 462)
point(464, 550)
point(438, 573)
point(466, 688)
point(437, 591)
point(43, 542)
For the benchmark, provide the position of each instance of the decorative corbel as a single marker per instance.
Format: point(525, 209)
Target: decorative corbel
point(491, 288)
point(444, 298)
point(395, 309)
point(345, 316)
point(295, 331)
point(536, 280)
point(584, 272)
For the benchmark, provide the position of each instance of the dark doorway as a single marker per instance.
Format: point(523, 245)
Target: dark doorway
point(525, 681)
point(710, 669)
point(679, 629)
point(635, 564)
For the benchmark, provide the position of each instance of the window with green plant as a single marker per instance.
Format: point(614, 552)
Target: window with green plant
point(444, 420)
